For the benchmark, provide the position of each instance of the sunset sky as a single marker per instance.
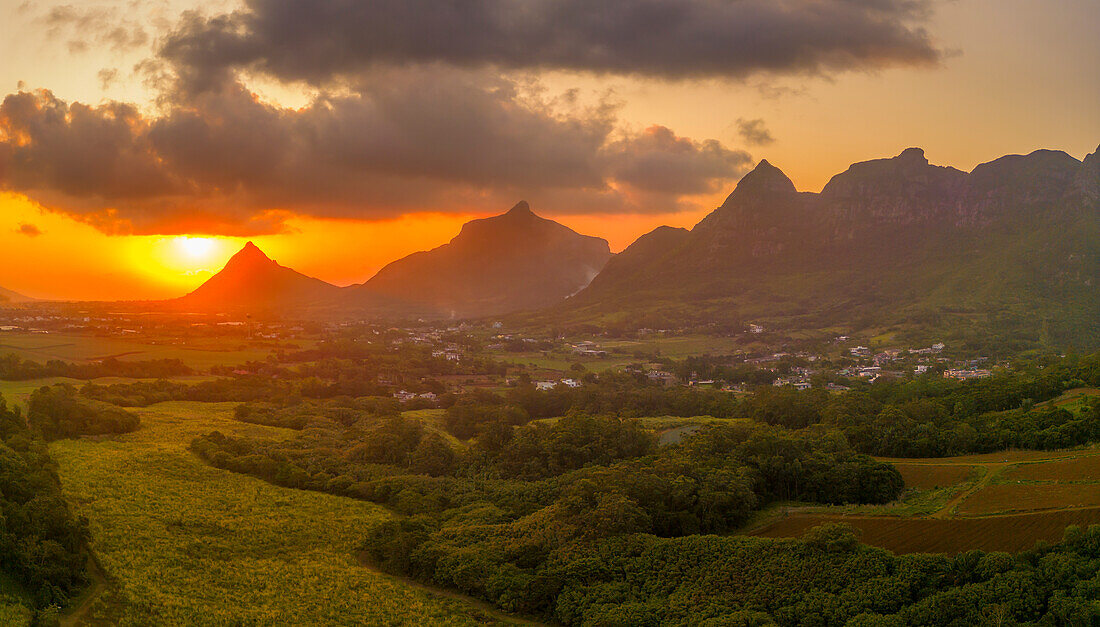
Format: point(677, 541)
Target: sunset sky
point(142, 143)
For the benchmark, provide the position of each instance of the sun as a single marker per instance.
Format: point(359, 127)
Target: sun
point(195, 248)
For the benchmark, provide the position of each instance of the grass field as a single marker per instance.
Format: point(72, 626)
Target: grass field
point(1024, 497)
point(17, 392)
point(936, 535)
point(676, 347)
point(1012, 457)
point(1069, 481)
point(80, 348)
point(622, 352)
point(1072, 400)
point(928, 476)
point(998, 501)
point(432, 419)
point(1085, 468)
point(184, 543)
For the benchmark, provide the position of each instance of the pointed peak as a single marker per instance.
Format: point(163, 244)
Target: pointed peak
point(251, 253)
point(520, 209)
point(765, 177)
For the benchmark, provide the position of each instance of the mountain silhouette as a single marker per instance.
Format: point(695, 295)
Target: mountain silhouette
point(1012, 248)
point(511, 262)
point(251, 280)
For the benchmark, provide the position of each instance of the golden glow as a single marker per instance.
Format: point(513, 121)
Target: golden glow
point(1023, 81)
point(195, 248)
point(71, 260)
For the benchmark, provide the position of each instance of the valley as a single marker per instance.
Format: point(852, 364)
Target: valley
point(716, 313)
point(180, 542)
point(518, 427)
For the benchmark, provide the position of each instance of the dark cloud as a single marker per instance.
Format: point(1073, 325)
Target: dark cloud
point(398, 142)
point(659, 161)
point(754, 132)
point(316, 41)
point(29, 230)
point(421, 105)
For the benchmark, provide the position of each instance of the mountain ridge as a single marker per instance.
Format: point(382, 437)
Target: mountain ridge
point(509, 262)
point(504, 263)
point(12, 297)
point(895, 239)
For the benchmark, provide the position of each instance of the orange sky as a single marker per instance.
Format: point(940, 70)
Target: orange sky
point(1017, 75)
point(70, 260)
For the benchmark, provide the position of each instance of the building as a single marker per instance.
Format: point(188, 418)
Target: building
point(963, 375)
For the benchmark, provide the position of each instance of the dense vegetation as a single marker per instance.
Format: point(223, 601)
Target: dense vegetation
point(41, 542)
point(585, 519)
point(935, 417)
point(517, 497)
point(15, 368)
point(58, 412)
point(825, 578)
point(928, 416)
point(580, 521)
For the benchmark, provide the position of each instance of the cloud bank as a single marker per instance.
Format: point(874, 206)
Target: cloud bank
point(313, 41)
point(421, 106)
point(228, 163)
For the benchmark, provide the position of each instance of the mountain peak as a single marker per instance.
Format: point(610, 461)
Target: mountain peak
point(913, 156)
point(520, 209)
point(251, 254)
point(507, 262)
point(252, 280)
point(765, 178)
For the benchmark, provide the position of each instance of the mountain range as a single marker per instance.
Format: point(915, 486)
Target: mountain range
point(1011, 248)
point(511, 262)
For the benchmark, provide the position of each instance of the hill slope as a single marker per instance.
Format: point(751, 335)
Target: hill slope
point(1011, 249)
point(8, 296)
point(251, 280)
point(511, 262)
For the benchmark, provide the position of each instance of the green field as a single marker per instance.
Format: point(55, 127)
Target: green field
point(432, 419)
point(1074, 400)
point(1002, 501)
point(676, 347)
point(184, 543)
point(79, 348)
point(17, 392)
point(621, 352)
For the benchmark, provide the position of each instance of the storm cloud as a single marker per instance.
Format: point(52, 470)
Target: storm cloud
point(316, 41)
point(407, 141)
point(418, 106)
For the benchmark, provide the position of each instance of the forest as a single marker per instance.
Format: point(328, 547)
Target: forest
point(15, 368)
point(578, 518)
point(563, 504)
point(42, 544)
